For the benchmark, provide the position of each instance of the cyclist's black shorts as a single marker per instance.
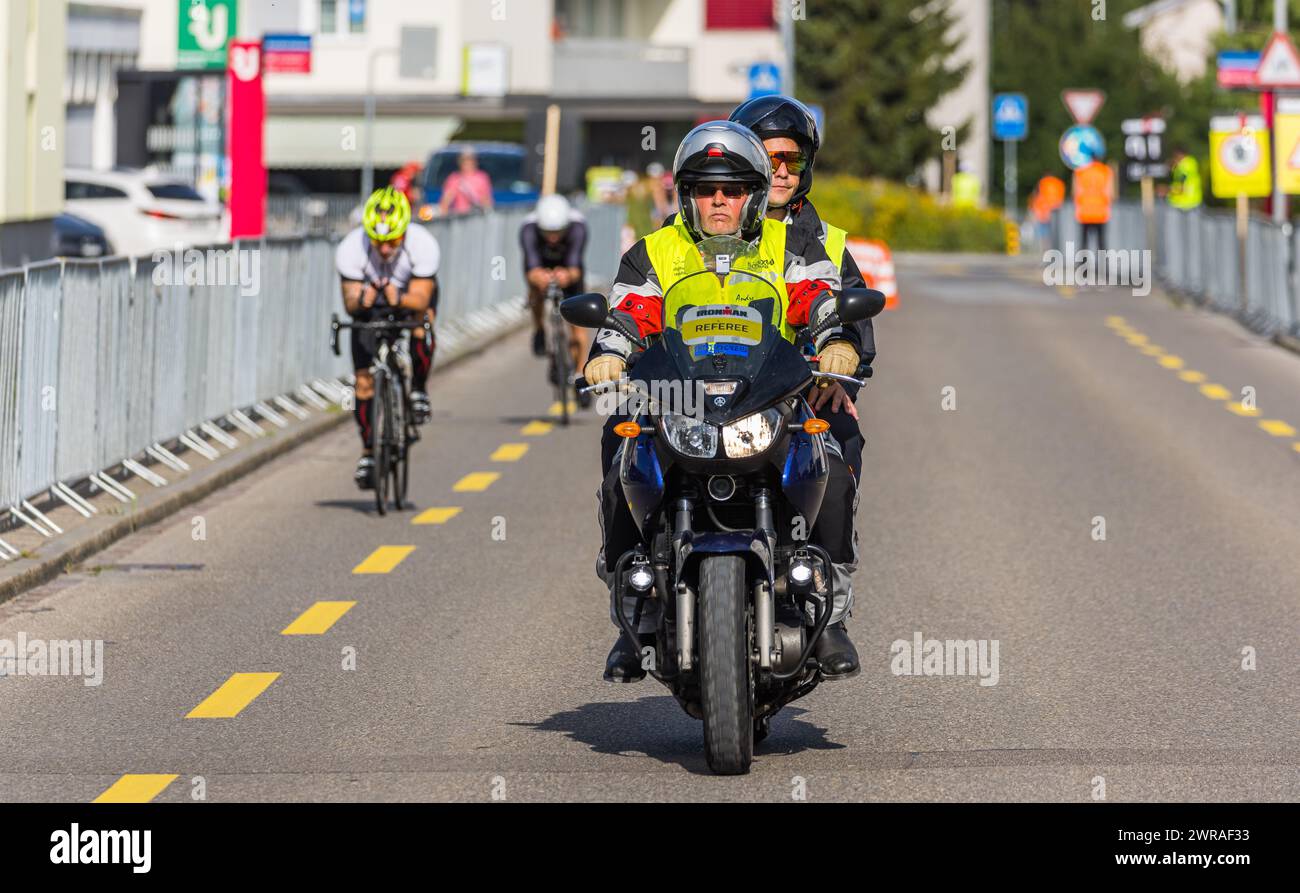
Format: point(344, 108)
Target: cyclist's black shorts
point(365, 342)
point(574, 289)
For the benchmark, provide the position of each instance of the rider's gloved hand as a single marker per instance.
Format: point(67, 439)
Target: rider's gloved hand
point(838, 358)
point(606, 367)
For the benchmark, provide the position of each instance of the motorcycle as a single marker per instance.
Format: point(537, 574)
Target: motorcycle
point(725, 496)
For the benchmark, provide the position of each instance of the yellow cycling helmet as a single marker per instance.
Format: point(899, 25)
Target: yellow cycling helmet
point(387, 215)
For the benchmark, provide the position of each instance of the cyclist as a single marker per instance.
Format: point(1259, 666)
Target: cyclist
point(723, 176)
point(386, 263)
point(554, 240)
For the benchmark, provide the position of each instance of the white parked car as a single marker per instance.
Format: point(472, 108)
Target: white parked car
point(142, 212)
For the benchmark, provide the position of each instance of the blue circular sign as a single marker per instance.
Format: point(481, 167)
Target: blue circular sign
point(1081, 145)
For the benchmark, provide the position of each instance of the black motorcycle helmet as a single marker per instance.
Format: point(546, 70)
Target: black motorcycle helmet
point(774, 116)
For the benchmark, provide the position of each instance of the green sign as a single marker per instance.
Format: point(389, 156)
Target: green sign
point(205, 28)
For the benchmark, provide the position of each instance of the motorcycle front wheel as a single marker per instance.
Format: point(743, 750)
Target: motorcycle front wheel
point(726, 671)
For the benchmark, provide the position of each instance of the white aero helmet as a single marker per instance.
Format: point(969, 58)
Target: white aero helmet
point(553, 213)
point(723, 152)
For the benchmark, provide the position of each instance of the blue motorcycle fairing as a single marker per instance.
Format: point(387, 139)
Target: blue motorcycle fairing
point(643, 479)
point(806, 471)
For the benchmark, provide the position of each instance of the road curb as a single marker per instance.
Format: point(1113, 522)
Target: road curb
point(101, 532)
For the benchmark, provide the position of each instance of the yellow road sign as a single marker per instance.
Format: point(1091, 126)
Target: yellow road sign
point(1286, 129)
point(1239, 157)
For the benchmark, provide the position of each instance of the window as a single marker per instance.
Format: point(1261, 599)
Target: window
point(590, 18)
point(738, 14)
point(342, 17)
point(175, 191)
point(73, 191)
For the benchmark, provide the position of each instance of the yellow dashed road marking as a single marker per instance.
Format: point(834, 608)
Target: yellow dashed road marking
point(1296, 446)
point(1277, 428)
point(1215, 391)
point(476, 482)
point(1137, 340)
point(1153, 350)
point(1192, 375)
point(556, 408)
point(1067, 291)
point(383, 560)
point(1171, 362)
point(317, 619)
point(536, 429)
point(135, 789)
point(1238, 409)
point(234, 695)
point(1116, 321)
point(510, 452)
point(436, 516)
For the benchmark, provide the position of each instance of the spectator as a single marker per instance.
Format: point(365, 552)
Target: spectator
point(467, 189)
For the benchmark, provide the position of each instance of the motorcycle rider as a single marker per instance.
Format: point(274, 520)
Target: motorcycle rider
point(789, 133)
point(554, 241)
point(387, 263)
point(723, 176)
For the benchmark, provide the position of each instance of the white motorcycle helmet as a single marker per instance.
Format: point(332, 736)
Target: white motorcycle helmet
point(723, 152)
point(553, 213)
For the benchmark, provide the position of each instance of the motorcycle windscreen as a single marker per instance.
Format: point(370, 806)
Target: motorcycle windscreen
point(723, 323)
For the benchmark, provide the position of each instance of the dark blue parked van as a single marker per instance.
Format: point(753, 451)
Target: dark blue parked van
point(505, 163)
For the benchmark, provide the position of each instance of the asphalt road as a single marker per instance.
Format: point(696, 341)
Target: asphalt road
point(478, 654)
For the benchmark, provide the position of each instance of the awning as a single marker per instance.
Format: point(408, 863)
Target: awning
point(301, 141)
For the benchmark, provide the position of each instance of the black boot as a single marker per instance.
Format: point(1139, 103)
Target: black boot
point(624, 661)
point(836, 654)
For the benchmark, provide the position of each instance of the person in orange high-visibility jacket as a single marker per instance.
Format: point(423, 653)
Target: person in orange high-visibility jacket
point(1094, 190)
point(1048, 195)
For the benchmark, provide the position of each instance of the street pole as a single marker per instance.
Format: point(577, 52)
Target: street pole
point(1009, 177)
point(368, 168)
point(1230, 16)
point(787, 42)
point(1279, 197)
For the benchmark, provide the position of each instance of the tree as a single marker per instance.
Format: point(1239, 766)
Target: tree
point(877, 67)
point(1041, 47)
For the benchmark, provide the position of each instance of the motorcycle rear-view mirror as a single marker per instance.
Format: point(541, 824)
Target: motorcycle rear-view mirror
point(589, 311)
point(857, 304)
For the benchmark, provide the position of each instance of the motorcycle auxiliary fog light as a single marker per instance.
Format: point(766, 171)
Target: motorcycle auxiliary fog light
point(801, 573)
point(641, 579)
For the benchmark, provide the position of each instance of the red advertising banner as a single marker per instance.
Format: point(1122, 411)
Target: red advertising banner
point(245, 136)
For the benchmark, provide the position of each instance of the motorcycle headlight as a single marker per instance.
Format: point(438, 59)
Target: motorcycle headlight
point(751, 435)
point(689, 436)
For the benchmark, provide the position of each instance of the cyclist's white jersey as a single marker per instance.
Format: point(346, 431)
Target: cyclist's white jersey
point(418, 258)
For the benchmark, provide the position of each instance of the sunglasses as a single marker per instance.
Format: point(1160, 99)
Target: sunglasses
point(795, 162)
point(730, 190)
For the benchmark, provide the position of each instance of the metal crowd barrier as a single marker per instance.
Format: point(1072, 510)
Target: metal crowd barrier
point(119, 365)
point(1197, 256)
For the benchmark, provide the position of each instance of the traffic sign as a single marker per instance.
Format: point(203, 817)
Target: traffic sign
point(1081, 145)
point(1286, 133)
point(1279, 65)
point(764, 79)
point(1143, 147)
point(1010, 116)
point(1084, 104)
point(1236, 68)
point(1239, 157)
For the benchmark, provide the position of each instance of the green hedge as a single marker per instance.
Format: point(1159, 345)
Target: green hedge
point(905, 219)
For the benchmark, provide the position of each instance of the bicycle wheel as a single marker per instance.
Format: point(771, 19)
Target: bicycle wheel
point(401, 446)
point(561, 362)
point(380, 426)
